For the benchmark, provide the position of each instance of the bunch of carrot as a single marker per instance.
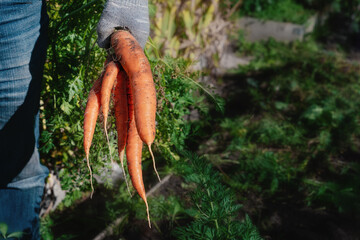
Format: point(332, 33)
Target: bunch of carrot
point(129, 79)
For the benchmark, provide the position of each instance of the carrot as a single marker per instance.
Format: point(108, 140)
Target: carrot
point(111, 71)
point(121, 115)
point(91, 114)
point(109, 77)
point(133, 154)
point(132, 58)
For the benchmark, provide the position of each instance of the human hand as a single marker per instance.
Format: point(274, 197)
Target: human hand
point(132, 15)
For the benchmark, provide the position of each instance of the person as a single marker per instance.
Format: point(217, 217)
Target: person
point(23, 44)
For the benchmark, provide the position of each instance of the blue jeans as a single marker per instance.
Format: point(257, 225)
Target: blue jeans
point(23, 44)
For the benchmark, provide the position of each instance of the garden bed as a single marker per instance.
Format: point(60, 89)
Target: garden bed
point(277, 154)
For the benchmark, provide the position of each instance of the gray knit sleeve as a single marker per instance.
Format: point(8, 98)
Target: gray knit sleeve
point(132, 15)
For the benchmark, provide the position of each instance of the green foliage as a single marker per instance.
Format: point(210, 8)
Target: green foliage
point(342, 193)
point(296, 129)
point(207, 209)
point(45, 228)
point(278, 10)
point(317, 91)
point(194, 30)
point(340, 26)
point(166, 209)
point(210, 211)
point(5, 235)
point(176, 96)
point(74, 62)
point(182, 23)
point(260, 150)
point(216, 212)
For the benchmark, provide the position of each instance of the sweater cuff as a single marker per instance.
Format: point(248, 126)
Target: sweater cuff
point(140, 3)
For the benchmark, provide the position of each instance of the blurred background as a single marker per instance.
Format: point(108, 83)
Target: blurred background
point(258, 133)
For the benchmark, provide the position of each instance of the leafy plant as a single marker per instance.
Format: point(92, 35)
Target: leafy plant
point(5, 235)
point(339, 23)
point(216, 213)
point(194, 30)
point(67, 77)
point(295, 129)
point(74, 62)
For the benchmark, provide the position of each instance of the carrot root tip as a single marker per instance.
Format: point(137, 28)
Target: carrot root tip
point(148, 214)
point(91, 182)
point(153, 159)
point(122, 165)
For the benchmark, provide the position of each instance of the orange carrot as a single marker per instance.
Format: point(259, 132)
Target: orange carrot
point(111, 71)
point(121, 115)
point(91, 114)
point(133, 155)
point(132, 58)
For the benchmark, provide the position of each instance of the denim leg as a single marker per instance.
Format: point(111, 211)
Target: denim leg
point(23, 46)
point(20, 200)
